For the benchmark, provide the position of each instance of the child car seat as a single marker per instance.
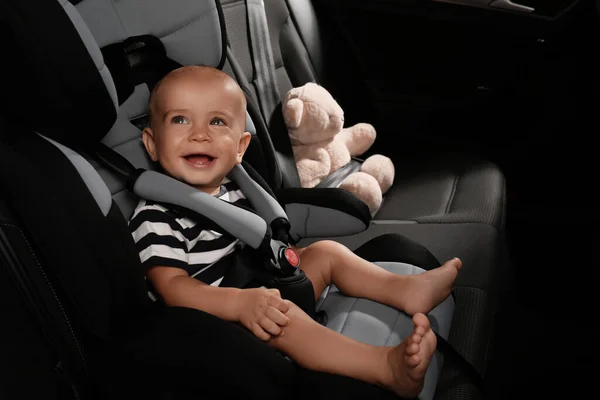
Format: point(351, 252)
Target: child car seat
point(393, 326)
point(75, 105)
point(67, 262)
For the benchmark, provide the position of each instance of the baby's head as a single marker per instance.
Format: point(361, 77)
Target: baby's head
point(197, 118)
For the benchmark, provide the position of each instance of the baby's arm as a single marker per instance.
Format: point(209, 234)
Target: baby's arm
point(260, 310)
point(177, 288)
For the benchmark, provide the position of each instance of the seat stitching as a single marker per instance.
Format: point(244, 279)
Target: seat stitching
point(503, 210)
point(347, 315)
point(310, 65)
point(129, 139)
point(306, 221)
point(452, 194)
point(37, 261)
point(114, 8)
point(120, 191)
point(190, 22)
point(392, 329)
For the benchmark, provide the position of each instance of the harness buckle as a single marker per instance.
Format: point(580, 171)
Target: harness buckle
point(283, 260)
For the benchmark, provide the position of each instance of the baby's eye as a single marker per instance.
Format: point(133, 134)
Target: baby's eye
point(217, 121)
point(179, 120)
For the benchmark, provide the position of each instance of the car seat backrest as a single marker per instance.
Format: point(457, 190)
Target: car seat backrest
point(59, 68)
point(62, 80)
point(296, 39)
point(191, 34)
point(71, 231)
point(310, 40)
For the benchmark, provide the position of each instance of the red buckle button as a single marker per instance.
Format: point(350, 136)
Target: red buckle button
point(291, 256)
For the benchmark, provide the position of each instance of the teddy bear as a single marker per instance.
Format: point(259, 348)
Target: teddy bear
point(321, 145)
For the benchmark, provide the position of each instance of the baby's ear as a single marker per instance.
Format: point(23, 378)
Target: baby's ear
point(149, 143)
point(243, 145)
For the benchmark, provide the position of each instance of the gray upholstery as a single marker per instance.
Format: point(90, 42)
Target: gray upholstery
point(250, 128)
point(309, 220)
point(479, 246)
point(184, 27)
point(95, 54)
point(90, 177)
point(447, 190)
point(302, 26)
point(459, 189)
point(380, 325)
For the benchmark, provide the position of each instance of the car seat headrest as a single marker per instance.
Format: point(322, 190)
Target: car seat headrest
point(142, 40)
point(89, 56)
point(56, 81)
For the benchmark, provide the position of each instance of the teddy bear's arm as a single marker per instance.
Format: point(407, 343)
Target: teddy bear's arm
point(358, 138)
point(314, 168)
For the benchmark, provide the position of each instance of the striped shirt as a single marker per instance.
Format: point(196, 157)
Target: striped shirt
point(165, 238)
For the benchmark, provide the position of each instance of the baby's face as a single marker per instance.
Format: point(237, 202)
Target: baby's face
point(197, 133)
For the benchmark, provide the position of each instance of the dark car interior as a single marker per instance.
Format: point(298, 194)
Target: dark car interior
point(487, 109)
point(517, 87)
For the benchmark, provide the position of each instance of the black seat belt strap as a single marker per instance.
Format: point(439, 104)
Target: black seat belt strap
point(262, 54)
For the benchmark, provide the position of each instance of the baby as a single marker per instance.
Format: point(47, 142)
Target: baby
point(197, 135)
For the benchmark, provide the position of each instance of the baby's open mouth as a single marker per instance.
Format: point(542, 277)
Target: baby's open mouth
point(199, 159)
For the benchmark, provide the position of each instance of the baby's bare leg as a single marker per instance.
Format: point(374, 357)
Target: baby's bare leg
point(400, 369)
point(328, 262)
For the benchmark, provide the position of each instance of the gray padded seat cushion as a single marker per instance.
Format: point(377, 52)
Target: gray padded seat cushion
point(438, 191)
point(380, 325)
point(481, 248)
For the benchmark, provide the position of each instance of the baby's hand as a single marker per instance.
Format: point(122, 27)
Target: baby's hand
point(262, 312)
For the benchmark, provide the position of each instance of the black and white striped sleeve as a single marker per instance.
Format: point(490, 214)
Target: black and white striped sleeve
point(159, 238)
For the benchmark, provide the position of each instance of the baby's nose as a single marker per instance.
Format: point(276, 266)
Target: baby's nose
point(199, 134)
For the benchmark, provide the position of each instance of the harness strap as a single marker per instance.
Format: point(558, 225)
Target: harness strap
point(263, 202)
point(262, 53)
point(245, 224)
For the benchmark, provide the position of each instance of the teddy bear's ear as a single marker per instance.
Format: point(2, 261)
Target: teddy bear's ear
point(292, 113)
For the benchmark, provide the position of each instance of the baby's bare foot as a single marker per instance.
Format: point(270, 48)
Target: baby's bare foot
point(409, 360)
point(426, 290)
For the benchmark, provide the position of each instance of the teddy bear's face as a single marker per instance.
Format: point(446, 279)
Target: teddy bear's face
point(312, 115)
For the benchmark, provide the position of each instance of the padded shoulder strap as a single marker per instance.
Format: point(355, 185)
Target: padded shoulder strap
point(263, 202)
point(245, 225)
